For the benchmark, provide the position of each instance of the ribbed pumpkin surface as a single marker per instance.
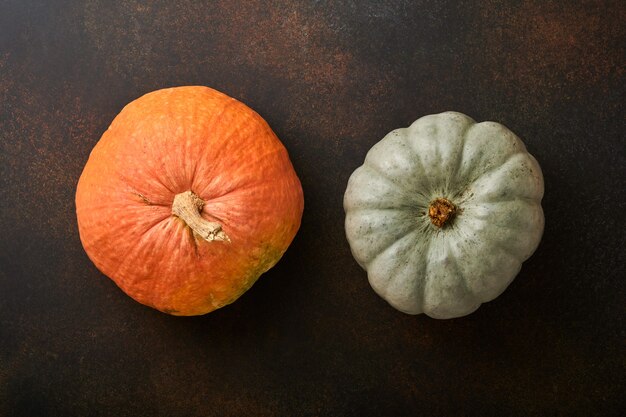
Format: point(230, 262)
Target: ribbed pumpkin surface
point(170, 142)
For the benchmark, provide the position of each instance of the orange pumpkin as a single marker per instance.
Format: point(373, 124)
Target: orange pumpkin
point(187, 199)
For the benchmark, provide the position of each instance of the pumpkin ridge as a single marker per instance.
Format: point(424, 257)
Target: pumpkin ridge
point(212, 120)
point(394, 158)
point(491, 169)
point(502, 244)
point(127, 255)
point(152, 174)
point(369, 266)
point(510, 199)
point(381, 174)
point(511, 252)
point(142, 197)
point(360, 179)
point(497, 266)
point(470, 182)
point(146, 200)
point(102, 237)
point(428, 275)
point(130, 188)
point(399, 221)
point(254, 181)
point(452, 177)
point(422, 287)
point(506, 244)
point(394, 242)
point(232, 198)
point(394, 275)
point(418, 160)
point(393, 185)
point(204, 212)
point(462, 276)
point(194, 243)
point(471, 209)
point(443, 147)
point(235, 191)
point(223, 143)
point(494, 174)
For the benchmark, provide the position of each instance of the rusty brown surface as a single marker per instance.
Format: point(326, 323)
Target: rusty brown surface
point(311, 337)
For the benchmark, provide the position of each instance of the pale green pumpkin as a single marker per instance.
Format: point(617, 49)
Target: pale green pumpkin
point(442, 214)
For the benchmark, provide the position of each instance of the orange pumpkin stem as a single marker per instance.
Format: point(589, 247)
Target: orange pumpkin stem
point(441, 211)
point(187, 206)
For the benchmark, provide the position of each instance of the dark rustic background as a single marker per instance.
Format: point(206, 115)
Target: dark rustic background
point(311, 338)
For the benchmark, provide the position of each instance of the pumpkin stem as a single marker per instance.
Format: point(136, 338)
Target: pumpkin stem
point(441, 211)
point(187, 206)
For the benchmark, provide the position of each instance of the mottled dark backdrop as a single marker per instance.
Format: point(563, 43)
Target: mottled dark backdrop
point(311, 338)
